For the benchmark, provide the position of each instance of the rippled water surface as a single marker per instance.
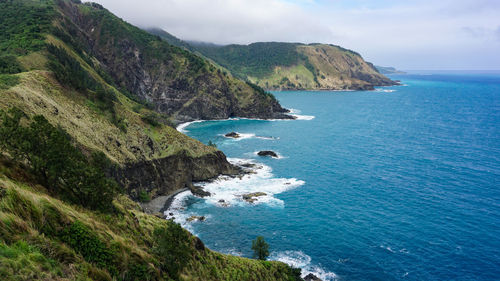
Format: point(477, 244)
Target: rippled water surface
point(379, 185)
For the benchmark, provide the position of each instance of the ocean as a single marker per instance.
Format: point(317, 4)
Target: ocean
point(400, 183)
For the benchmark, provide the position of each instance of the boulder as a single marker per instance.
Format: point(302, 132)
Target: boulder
point(267, 153)
point(196, 218)
point(311, 277)
point(233, 135)
point(251, 197)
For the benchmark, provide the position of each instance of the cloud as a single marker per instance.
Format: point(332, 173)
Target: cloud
point(410, 34)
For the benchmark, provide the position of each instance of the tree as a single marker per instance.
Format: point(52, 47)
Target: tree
point(260, 248)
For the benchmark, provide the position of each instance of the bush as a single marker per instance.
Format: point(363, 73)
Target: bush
point(172, 246)
point(85, 242)
point(56, 162)
point(260, 248)
point(8, 81)
point(10, 65)
point(144, 196)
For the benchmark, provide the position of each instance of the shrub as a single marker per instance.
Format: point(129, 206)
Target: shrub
point(85, 242)
point(144, 196)
point(8, 81)
point(172, 246)
point(10, 65)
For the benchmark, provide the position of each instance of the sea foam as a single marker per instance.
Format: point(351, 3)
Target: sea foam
point(227, 191)
point(300, 260)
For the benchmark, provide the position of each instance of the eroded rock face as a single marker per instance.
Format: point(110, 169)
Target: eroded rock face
point(176, 82)
point(166, 175)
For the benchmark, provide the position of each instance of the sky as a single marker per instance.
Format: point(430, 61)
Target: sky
point(406, 34)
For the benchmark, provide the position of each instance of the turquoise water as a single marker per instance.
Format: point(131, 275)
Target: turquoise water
point(379, 185)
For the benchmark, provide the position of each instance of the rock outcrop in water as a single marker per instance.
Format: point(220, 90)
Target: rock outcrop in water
point(232, 135)
point(268, 153)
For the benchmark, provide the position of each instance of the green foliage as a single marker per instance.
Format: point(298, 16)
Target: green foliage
point(260, 248)
point(8, 81)
point(68, 70)
point(212, 144)
point(22, 24)
point(56, 162)
point(144, 196)
point(22, 261)
point(172, 245)
point(10, 65)
point(258, 59)
point(86, 242)
point(261, 91)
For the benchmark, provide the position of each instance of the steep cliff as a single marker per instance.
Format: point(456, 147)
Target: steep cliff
point(177, 82)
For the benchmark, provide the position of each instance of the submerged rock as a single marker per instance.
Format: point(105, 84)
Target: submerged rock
point(311, 277)
point(251, 197)
point(196, 218)
point(267, 153)
point(232, 135)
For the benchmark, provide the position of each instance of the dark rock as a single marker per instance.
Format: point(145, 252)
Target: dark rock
point(170, 214)
point(311, 277)
point(268, 153)
point(172, 173)
point(199, 191)
point(250, 197)
point(232, 135)
point(196, 218)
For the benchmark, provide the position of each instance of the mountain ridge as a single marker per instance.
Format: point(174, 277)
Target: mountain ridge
point(290, 66)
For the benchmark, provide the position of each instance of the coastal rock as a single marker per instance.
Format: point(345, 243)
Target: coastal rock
point(251, 197)
point(196, 218)
point(199, 191)
point(267, 153)
point(223, 203)
point(233, 135)
point(311, 277)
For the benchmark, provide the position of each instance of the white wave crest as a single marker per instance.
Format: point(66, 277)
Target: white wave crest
point(300, 260)
point(182, 127)
point(259, 179)
point(385, 90)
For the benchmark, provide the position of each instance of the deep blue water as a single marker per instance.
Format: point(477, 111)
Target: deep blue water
point(401, 185)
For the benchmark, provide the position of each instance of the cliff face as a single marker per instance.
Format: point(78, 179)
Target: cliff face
point(168, 174)
point(177, 82)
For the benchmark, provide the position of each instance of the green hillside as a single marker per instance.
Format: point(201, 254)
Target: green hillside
point(278, 66)
point(87, 117)
point(289, 66)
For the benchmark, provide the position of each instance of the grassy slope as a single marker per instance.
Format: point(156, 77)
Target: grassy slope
point(32, 248)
